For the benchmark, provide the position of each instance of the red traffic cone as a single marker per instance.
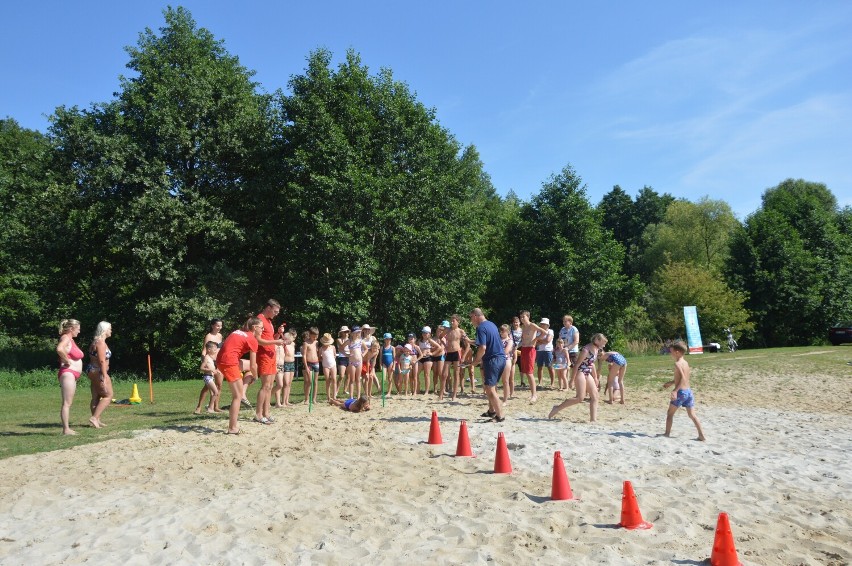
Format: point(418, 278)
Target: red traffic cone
point(435, 430)
point(631, 517)
point(463, 447)
point(724, 553)
point(560, 488)
point(502, 465)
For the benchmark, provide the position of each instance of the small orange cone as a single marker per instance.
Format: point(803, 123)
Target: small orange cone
point(435, 430)
point(631, 517)
point(463, 447)
point(724, 553)
point(560, 488)
point(502, 465)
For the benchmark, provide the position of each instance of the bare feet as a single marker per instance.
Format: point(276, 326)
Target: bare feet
point(553, 412)
point(197, 411)
point(95, 422)
point(533, 399)
point(701, 438)
point(69, 432)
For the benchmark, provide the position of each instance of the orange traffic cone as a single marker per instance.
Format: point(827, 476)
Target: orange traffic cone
point(435, 430)
point(631, 517)
point(463, 447)
point(502, 465)
point(560, 487)
point(724, 553)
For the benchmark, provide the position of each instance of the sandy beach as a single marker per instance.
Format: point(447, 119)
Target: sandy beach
point(332, 487)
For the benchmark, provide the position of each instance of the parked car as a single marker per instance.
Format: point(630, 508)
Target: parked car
point(840, 333)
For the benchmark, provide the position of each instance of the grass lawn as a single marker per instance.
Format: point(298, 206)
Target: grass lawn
point(29, 421)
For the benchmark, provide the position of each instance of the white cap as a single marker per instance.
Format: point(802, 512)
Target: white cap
point(426, 329)
point(545, 321)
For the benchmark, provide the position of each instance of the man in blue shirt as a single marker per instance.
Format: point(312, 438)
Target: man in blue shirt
point(493, 359)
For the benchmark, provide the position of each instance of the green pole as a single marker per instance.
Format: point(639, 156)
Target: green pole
point(383, 385)
point(311, 394)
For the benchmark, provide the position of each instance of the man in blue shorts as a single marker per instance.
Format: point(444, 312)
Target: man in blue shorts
point(490, 354)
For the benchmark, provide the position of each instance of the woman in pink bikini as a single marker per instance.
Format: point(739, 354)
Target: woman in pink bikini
point(70, 368)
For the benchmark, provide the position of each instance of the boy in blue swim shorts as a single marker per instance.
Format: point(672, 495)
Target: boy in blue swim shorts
point(681, 395)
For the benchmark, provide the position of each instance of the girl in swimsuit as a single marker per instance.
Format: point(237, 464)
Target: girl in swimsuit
point(387, 361)
point(585, 378)
point(328, 353)
point(355, 350)
point(342, 358)
point(352, 405)
point(98, 372)
point(70, 368)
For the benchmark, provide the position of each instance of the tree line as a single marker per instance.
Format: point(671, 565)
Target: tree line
point(195, 194)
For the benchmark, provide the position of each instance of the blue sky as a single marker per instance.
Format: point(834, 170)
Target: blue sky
point(721, 99)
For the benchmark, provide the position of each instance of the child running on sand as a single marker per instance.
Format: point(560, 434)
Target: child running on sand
point(310, 361)
point(682, 394)
point(328, 355)
point(617, 367)
point(560, 364)
point(585, 378)
point(210, 375)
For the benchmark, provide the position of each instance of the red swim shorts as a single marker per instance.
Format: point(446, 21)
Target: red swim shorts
point(266, 365)
point(231, 373)
point(527, 359)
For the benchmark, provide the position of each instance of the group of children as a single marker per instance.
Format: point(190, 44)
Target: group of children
point(444, 361)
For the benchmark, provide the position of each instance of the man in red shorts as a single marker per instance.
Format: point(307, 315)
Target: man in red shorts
point(235, 346)
point(529, 331)
point(266, 361)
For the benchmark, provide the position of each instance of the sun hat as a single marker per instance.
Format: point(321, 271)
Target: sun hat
point(326, 339)
point(545, 321)
point(343, 328)
point(426, 329)
point(366, 327)
point(388, 335)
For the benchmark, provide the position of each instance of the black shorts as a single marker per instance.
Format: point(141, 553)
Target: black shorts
point(451, 356)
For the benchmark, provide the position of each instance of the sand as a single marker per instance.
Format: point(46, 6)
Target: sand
point(332, 487)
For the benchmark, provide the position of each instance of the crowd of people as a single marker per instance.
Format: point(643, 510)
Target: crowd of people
point(439, 364)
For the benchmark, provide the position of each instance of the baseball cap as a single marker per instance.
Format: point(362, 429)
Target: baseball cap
point(545, 321)
point(388, 335)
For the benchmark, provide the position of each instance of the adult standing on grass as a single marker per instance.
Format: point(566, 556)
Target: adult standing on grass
point(236, 345)
point(491, 355)
point(266, 361)
point(70, 368)
point(98, 372)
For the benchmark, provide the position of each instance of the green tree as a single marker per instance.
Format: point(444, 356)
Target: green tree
point(677, 285)
point(567, 262)
point(384, 217)
point(649, 208)
point(31, 206)
point(154, 170)
point(696, 233)
point(792, 257)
